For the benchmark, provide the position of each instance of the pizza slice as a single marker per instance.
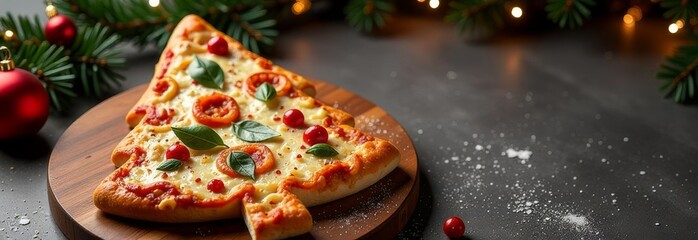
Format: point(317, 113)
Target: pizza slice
point(223, 133)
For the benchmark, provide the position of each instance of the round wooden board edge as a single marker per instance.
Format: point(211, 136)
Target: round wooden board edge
point(389, 228)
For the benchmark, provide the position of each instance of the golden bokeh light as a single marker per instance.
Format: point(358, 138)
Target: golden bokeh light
point(636, 13)
point(516, 12)
point(434, 4)
point(680, 24)
point(300, 7)
point(628, 19)
point(9, 35)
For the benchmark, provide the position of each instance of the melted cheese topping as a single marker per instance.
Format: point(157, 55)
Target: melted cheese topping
point(285, 148)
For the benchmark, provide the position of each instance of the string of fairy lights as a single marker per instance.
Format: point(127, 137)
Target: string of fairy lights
point(634, 14)
point(631, 17)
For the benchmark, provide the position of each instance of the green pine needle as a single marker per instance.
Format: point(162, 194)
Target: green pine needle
point(474, 15)
point(368, 15)
point(248, 21)
point(51, 67)
point(680, 9)
point(132, 19)
point(569, 13)
point(679, 73)
point(251, 27)
point(96, 61)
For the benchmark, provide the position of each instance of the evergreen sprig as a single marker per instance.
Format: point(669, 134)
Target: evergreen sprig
point(679, 9)
point(92, 59)
point(367, 15)
point(51, 67)
point(249, 21)
point(96, 61)
point(477, 14)
point(569, 13)
point(251, 27)
point(679, 73)
point(27, 30)
point(132, 19)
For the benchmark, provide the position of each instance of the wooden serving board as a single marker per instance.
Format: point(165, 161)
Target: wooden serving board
point(81, 159)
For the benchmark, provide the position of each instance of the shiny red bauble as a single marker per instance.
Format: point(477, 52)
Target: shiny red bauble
point(24, 104)
point(454, 227)
point(60, 30)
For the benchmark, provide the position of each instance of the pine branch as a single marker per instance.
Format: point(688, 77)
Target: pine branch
point(51, 67)
point(569, 13)
point(132, 19)
point(91, 59)
point(679, 9)
point(95, 60)
point(680, 73)
point(246, 20)
point(27, 30)
point(367, 15)
point(32, 53)
point(250, 27)
point(476, 15)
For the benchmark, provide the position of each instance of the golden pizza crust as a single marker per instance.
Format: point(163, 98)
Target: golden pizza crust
point(269, 215)
point(113, 198)
point(276, 216)
point(372, 161)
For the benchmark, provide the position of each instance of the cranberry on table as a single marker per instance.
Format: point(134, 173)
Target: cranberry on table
point(178, 152)
point(314, 135)
point(454, 227)
point(218, 46)
point(216, 186)
point(294, 118)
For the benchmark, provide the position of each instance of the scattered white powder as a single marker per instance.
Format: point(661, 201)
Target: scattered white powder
point(24, 220)
point(478, 147)
point(626, 139)
point(642, 172)
point(522, 154)
point(420, 131)
point(580, 222)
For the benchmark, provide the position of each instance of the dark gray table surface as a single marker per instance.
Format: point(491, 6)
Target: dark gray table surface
point(610, 159)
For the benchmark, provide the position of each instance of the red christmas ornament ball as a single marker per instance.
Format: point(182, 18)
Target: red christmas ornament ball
point(60, 30)
point(25, 104)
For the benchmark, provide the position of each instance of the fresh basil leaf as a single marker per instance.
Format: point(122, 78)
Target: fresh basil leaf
point(198, 137)
point(242, 163)
point(170, 165)
point(265, 92)
point(322, 150)
point(251, 131)
point(206, 72)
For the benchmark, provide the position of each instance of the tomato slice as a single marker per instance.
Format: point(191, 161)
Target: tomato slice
point(160, 87)
point(261, 154)
point(280, 82)
point(216, 110)
point(157, 116)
